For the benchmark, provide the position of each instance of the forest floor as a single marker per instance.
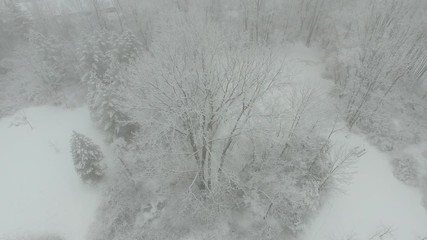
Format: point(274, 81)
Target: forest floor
point(41, 193)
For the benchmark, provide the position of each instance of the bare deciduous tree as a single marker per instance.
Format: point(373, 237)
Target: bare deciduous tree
point(342, 168)
point(199, 92)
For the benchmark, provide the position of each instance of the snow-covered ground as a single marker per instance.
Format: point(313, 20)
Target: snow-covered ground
point(374, 200)
point(371, 203)
point(40, 193)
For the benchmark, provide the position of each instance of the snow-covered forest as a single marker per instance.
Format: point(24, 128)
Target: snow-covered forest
point(213, 119)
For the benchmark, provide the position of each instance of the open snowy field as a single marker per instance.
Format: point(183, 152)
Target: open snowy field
point(374, 203)
point(40, 191)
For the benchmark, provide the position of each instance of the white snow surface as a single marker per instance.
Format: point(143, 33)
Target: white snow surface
point(374, 200)
point(371, 203)
point(40, 191)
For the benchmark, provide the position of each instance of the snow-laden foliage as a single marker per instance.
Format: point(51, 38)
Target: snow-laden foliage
point(406, 169)
point(208, 129)
point(102, 58)
point(155, 200)
point(379, 61)
point(87, 158)
point(95, 53)
point(291, 183)
point(54, 66)
point(122, 204)
point(109, 113)
point(127, 48)
point(102, 50)
point(199, 100)
point(197, 92)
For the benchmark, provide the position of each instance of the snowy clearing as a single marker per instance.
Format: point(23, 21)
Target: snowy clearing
point(373, 202)
point(40, 191)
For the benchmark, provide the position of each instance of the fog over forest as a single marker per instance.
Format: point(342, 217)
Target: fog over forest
point(213, 119)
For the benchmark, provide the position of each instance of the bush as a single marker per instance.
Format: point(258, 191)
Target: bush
point(117, 212)
point(294, 182)
point(87, 158)
point(405, 168)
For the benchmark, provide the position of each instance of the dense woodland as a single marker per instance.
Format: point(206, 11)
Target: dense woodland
point(197, 100)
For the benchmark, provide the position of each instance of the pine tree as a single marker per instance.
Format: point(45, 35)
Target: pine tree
point(87, 158)
point(96, 54)
point(127, 48)
point(53, 65)
point(105, 103)
point(103, 56)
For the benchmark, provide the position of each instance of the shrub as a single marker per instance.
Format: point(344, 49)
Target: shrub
point(292, 184)
point(405, 168)
point(87, 158)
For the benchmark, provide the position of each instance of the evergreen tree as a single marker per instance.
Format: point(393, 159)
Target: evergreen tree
point(54, 65)
point(106, 106)
point(95, 55)
point(127, 48)
point(87, 158)
point(104, 52)
point(103, 56)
